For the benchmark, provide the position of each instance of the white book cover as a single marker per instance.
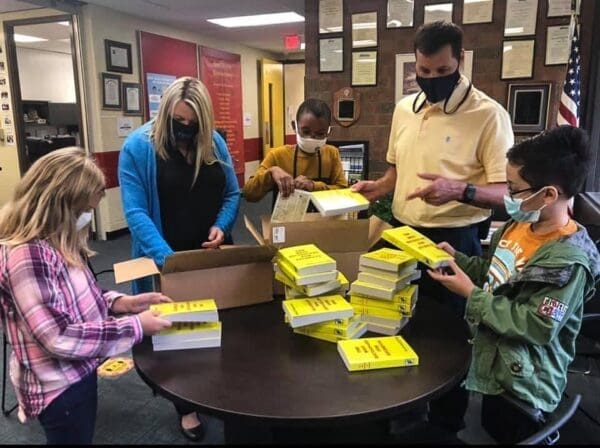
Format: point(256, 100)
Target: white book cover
point(291, 209)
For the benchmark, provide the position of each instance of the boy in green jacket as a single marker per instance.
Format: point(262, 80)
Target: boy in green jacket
point(525, 302)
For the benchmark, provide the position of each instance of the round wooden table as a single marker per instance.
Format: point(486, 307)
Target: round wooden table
point(265, 374)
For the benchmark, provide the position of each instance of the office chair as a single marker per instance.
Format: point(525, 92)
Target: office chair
point(548, 425)
point(5, 411)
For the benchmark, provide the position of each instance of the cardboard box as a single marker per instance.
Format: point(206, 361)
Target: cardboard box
point(342, 239)
point(235, 276)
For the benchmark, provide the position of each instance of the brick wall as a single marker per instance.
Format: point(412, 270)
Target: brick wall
point(377, 103)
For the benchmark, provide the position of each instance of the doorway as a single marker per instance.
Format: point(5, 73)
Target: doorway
point(44, 70)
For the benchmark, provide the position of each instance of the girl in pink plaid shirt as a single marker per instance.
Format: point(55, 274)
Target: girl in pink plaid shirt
point(58, 321)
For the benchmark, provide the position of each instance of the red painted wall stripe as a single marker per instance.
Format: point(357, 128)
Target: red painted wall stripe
point(108, 162)
point(252, 149)
point(290, 139)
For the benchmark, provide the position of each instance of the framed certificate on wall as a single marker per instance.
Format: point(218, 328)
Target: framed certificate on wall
point(517, 59)
point(364, 68)
point(331, 54)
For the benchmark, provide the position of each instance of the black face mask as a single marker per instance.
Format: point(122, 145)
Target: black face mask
point(184, 133)
point(438, 89)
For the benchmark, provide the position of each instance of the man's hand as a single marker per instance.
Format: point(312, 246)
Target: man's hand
point(458, 282)
point(440, 191)
point(138, 303)
point(215, 238)
point(152, 323)
point(304, 183)
point(284, 182)
point(368, 188)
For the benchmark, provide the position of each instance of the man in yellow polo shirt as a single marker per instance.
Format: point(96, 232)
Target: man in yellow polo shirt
point(447, 166)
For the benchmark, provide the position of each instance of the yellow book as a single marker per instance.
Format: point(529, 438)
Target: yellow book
point(204, 310)
point(305, 279)
point(386, 282)
point(302, 312)
point(391, 260)
point(358, 331)
point(378, 311)
point(293, 293)
point(338, 202)
point(418, 245)
point(371, 290)
point(189, 330)
point(306, 259)
point(381, 328)
point(404, 308)
point(383, 321)
point(377, 353)
point(328, 327)
point(336, 323)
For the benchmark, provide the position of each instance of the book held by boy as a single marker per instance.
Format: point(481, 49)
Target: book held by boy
point(338, 201)
point(300, 312)
point(203, 310)
point(376, 353)
point(417, 245)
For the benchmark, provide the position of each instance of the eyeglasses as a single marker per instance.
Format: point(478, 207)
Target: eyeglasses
point(512, 194)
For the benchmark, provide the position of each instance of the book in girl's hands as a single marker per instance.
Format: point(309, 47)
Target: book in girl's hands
point(338, 202)
point(417, 245)
point(377, 353)
point(307, 259)
point(204, 310)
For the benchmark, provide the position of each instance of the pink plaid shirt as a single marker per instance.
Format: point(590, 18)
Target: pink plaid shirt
point(56, 319)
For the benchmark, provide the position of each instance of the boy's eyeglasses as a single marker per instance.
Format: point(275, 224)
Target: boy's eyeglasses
point(512, 194)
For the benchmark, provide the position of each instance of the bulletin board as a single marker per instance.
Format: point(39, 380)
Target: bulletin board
point(165, 56)
point(221, 73)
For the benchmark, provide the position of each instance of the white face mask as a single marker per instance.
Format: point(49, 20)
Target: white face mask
point(84, 219)
point(309, 145)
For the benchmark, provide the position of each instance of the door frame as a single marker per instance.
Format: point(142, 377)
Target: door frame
point(15, 82)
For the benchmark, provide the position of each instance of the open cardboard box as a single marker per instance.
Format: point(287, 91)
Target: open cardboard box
point(342, 239)
point(235, 276)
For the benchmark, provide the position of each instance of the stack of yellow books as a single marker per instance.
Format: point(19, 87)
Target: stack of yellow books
point(329, 318)
point(382, 293)
point(307, 271)
point(377, 353)
point(195, 325)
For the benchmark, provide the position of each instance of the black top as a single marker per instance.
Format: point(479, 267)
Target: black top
point(188, 212)
point(263, 371)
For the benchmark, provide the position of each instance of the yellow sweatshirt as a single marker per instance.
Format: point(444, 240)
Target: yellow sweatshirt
point(332, 174)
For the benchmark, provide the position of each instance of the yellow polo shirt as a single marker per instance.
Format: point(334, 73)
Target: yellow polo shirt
point(469, 145)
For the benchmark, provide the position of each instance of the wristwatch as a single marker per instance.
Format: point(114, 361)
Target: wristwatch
point(469, 193)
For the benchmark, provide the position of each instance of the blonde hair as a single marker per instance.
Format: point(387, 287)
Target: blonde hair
point(48, 201)
point(195, 95)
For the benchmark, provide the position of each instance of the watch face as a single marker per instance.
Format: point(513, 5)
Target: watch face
point(469, 193)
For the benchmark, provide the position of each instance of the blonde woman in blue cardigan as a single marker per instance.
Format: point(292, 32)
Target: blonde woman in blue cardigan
point(178, 187)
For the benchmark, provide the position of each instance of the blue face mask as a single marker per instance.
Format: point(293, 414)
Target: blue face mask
point(513, 208)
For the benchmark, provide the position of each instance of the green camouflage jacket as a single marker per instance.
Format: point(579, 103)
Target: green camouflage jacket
point(524, 332)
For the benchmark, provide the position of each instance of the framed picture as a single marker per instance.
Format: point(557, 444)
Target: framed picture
point(517, 59)
point(132, 98)
point(520, 18)
point(478, 11)
point(364, 30)
point(331, 54)
point(400, 13)
point(438, 11)
point(331, 16)
point(118, 56)
point(561, 8)
point(364, 68)
point(111, 91)
point(557, 44)
point(528, 106)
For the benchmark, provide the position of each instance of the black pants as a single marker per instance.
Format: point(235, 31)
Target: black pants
point(506, 423)
point(71, 417)
point(448, 411)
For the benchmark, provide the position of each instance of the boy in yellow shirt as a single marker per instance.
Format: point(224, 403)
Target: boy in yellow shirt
point(309, 165)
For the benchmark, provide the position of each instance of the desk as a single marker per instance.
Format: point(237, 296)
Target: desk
point(265, 374)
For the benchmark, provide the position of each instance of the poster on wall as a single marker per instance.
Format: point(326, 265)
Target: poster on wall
point(221, 73)
point(157, 84)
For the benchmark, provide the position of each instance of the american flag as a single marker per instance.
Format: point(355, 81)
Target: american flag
point(568, 109)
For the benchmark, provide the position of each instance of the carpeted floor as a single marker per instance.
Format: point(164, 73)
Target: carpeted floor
point(128, 412)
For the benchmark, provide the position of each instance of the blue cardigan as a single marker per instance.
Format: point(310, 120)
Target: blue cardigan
point(139, 194)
